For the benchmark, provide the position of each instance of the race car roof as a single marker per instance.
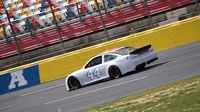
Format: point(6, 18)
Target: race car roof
point(113, 49)
point(121, 50)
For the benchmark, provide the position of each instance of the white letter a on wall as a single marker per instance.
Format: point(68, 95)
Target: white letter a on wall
point(17, 78)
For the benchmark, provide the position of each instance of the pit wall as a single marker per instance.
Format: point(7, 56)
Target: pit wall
point(161, 38)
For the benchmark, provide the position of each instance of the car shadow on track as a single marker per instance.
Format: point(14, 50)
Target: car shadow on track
point(149, 67)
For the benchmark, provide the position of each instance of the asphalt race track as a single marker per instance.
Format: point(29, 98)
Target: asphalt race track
point(174, 64)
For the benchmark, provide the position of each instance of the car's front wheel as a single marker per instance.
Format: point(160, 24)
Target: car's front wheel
point(73, 83)
point(114, 72)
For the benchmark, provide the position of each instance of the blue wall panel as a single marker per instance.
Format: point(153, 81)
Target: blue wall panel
point(19, 79)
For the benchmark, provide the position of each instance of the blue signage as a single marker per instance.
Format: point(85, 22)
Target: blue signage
point(19, 79)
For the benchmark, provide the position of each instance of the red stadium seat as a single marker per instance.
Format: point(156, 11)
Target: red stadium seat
point(35, 22)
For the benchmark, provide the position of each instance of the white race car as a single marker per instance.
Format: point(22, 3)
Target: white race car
point(111, 64)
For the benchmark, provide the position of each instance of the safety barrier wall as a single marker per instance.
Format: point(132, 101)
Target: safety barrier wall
point(162, 38)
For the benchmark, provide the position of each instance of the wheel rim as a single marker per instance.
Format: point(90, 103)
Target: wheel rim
point(115, 73)
point(74, 84)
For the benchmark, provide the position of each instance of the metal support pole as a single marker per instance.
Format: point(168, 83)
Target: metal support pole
point(4, 31)
point(102, 20)
point(198, 7)
point(131, 4)
point(14, 35)
point(57, 27)
point(148, 12)
point(31, 29)
point(79, 13)
point(104, 5)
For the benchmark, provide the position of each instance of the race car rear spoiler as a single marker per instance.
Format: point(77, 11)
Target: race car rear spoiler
point(141, 50)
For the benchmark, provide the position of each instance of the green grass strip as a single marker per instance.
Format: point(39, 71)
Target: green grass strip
point(181, 96)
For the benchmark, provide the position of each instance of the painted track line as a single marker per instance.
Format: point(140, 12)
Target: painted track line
point(185, 58)
point(8, 106)
point(41, 90)
point(31, 93)
point(55, 101)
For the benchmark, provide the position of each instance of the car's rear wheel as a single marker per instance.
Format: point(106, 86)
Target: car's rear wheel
point(141, 67)
point(73, 83)
point(114, 72)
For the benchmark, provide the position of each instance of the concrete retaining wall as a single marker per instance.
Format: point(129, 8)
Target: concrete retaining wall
point(162, 38)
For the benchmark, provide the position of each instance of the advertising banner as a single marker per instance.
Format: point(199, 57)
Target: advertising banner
point(19, 79)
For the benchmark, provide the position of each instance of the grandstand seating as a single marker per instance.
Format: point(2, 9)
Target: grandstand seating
point(41, 19)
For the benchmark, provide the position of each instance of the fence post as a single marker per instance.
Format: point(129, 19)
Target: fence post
point(197, 5)
point(148, 12)
point(4, 32)
point(57, 27)
point(79, 13)
point(131, 4)
point(14, 35)
point(104, 5)
point(30, 30)
point(102, 20)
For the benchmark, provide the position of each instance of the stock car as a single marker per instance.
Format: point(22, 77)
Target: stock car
point(111, 64)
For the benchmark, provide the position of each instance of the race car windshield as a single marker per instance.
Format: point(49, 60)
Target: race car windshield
point(125, 50)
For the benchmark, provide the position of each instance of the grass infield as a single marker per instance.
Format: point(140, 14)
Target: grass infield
point(180, 96)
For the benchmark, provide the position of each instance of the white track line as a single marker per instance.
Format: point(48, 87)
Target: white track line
point(185, 58)
point(55, 101)
point(26, 94)
point(8, 106)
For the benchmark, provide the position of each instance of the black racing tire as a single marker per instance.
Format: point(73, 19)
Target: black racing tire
point(73, 83)
point(114, 72)
point(141, 67)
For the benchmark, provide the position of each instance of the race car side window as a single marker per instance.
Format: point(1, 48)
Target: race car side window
point(109, 57)
point(94, 62)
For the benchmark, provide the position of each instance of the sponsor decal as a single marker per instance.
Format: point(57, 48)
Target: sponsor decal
point(19, 79)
